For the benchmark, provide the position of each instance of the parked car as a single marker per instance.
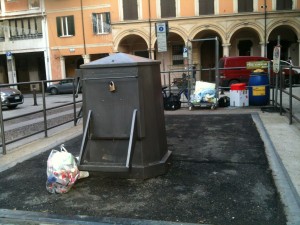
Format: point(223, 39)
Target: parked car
point(11, 97)
point(62, 87)
point(233, 69)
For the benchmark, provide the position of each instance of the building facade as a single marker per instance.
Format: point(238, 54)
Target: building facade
point(243, 27)
point(50, 39)
point(23, 42)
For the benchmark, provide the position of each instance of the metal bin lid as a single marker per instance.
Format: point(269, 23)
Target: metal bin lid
point(119, 60)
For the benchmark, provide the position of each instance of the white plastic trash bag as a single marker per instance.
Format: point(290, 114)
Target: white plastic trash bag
point(62, 171)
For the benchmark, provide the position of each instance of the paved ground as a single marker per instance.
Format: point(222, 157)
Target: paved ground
point(219, 175)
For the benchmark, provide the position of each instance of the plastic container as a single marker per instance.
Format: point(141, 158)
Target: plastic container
point(259, 89)
point(238, 87)
point(239, 95)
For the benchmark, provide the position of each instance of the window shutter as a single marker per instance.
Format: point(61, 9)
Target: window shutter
point(58, 27)
point(245, 5)
point(168, 8)
point(108, 29)
point(71, 25)
point(94, 22)
point(206, 7)
point(130, 10)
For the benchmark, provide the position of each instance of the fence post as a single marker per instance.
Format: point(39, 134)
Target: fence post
point(74, 102)
point(280, 92)
point(290, 96)
point(2, 131)
point(44, 110)
point(34, 95)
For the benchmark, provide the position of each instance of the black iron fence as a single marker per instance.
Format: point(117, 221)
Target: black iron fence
point(284, 86)
point(29, 120)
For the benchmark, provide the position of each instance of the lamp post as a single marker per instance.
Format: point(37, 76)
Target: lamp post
point(265, 28)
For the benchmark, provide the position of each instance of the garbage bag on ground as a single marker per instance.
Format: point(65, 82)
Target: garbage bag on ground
point(62, 171)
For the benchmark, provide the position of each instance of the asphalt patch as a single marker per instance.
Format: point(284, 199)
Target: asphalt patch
point(219, 175)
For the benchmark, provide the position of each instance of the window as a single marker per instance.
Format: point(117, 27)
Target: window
point(177, 54)
point(65, 26)
point(101, 23)
point(34, 4)
point(130, 10)
point(284, 4)
point(245, 5)
point(25, 28)
point(168, 8)
point(206, 7)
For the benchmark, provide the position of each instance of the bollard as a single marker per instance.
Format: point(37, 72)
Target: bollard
point(34, 95)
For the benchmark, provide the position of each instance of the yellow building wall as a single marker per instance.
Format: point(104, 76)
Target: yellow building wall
point(84, 42)
point(18, 5)
point(225, 6)
point(187, 8)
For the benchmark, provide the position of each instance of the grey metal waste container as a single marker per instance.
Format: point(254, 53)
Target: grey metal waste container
point(124, 126)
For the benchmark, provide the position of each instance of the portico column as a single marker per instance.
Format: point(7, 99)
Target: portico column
point(226, 49)
point(62, 67)
point(262, 49)
point(151, 53)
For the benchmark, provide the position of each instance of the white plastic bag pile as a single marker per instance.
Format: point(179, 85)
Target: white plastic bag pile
point(62, 171)
point(204, 92)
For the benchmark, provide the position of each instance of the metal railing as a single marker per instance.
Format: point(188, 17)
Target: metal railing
point(286, 84)
point(42, 117)
point(292, 92)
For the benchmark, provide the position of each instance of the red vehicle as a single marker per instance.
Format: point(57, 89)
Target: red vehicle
point(233, 69)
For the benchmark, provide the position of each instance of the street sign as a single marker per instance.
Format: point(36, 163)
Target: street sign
point(276, 59)
point(257, 65)
point(161, 37)
point(185, 52)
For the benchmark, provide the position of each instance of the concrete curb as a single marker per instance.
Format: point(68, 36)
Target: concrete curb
point(288, 193)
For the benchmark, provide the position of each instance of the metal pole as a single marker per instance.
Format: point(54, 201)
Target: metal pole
point(280, 93)
point(265, 14)
point(217, 67)
point(44, 110)
point(277, 74)
point(74, 102)
point(34, 95)
point(290, 96)
point(2, 131)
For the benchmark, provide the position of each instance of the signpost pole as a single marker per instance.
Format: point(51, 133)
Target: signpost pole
point(276, 67)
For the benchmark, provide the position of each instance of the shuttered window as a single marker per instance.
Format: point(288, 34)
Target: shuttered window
point(245, 5)
point(65, 26)
point(101, 23)
point(25, 28)
point(206, 7)
point(168, 8)
point(284, 4)
point(130, 10)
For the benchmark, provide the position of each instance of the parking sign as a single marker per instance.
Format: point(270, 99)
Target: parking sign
point(161, 37)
